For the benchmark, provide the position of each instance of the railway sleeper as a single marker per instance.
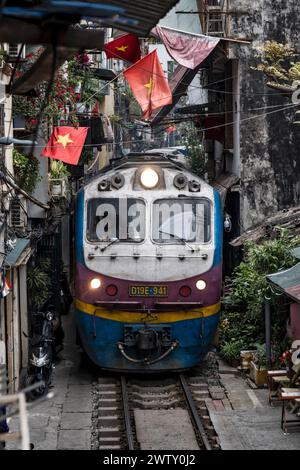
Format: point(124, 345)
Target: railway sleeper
point(111, 432)
point(153, 396)
point(109, 411)
point(110, 447)
point(154, 389)
point(109, 421)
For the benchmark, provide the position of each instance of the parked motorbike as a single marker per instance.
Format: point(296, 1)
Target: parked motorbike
point(42, 354)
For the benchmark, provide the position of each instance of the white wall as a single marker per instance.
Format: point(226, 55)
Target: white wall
point(190, 23)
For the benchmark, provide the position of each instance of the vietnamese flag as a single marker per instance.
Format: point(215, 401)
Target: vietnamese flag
point(126, 47)
point(66, 144)
point(149, 84)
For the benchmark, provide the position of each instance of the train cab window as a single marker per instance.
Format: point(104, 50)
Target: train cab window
point(188, 219)
point(113, 219)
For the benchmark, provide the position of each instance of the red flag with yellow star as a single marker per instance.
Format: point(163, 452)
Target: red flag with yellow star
point(149, 84)
point(66, 144)
point(126, 47)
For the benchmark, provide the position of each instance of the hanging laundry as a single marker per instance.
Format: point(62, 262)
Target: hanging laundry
point(188, 50)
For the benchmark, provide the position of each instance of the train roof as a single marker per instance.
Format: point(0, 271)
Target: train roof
point(139, 158)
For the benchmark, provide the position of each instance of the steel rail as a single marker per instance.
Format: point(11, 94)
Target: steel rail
point(193, 409)
point(128, 427)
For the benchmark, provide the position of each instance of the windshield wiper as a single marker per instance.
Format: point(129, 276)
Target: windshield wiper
point(114, 240)
point(178, 238)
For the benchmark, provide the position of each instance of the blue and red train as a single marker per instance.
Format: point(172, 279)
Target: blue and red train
point(148, 265)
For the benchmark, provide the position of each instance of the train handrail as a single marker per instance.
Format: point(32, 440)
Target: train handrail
point(145, 360)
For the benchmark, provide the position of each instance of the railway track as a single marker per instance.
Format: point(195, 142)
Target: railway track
point(119, 401)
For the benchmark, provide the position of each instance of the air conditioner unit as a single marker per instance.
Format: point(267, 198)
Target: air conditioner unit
point(18, 213)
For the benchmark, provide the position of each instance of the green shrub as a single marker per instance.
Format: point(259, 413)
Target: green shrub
point(231, 349)
point(26, 169)
point(39, 283)
point(243, 316)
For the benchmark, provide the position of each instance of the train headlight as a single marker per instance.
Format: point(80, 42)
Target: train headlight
point(201, 285)
point(95, 283)
point(149, 178)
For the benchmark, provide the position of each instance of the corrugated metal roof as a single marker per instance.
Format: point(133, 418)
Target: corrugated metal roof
point(180, 80)
point(296, 252)
point(146, 13)
point(288, 281)
point(14, 255)
point(137, 17)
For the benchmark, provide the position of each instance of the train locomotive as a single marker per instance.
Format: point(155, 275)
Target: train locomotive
point(148, 265)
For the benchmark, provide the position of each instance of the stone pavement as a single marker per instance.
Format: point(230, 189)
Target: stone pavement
point(64, 421)
point(252, 424)
point(173, 430)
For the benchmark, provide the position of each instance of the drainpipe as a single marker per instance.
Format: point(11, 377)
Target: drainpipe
point(268, 331)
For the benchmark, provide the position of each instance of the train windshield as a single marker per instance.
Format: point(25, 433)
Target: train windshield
point(176, 220)
point(112, 219)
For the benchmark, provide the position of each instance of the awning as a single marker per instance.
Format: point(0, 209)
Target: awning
point(104, 74)
point(288, 219)
point(224, 183)
point(179, 82)
point(296, 252)
point(203, 108)
point(19, 254)
point(288, 282)
point(137, 17)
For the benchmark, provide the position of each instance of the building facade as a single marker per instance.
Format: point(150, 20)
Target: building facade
point(261, 143)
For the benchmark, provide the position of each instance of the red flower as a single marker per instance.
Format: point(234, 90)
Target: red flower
point(286, 357)
point(78, 96)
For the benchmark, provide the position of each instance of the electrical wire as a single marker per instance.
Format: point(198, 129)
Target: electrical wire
point(257, 116)
point(189, 84)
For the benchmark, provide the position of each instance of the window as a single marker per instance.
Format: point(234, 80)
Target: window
point(176, 220)
point(171, 68)
point(109, 219)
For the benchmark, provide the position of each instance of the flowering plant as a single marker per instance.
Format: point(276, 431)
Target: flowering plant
point(63, 98)
point(286, 357)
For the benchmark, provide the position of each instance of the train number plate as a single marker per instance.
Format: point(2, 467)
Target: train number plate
point(148, 291)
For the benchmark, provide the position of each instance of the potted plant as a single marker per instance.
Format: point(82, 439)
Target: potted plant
point(230, 350)
point(57, 178)
point(258, 367)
